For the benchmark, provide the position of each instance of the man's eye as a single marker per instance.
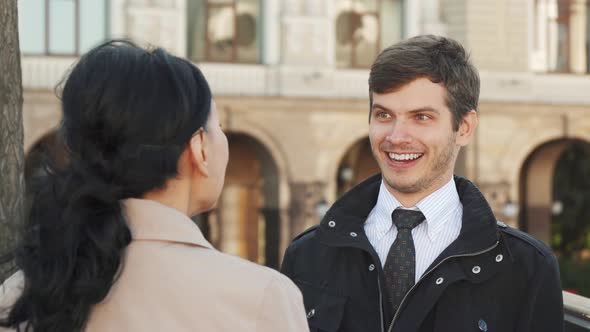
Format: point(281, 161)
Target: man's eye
point(422, 117)
point(382, 115)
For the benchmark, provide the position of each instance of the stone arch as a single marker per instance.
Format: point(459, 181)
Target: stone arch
point(330, 172)
point(277, 154)
point(248, 221)
point(283, 173)
point(536, 186)
point(522, 150)
point(355, 165)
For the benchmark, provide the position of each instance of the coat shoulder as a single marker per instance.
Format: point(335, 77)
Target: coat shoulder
point(306, 235)
point(303, 244)
point(525, 240)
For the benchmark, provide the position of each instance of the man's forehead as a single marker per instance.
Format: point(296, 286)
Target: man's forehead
point(412, 101)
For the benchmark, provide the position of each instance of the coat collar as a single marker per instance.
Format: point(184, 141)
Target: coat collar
point(152, 221)
point(343, 223)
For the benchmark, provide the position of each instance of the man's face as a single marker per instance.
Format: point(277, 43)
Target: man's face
point(413, 141)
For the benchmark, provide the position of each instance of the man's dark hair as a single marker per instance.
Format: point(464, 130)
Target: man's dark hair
point(440, 59)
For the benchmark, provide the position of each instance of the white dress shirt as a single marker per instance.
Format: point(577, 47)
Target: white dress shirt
point(443, 211)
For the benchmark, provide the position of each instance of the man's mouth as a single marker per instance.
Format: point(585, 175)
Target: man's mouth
point(404, 157)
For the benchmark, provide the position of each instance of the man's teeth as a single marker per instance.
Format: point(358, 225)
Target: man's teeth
point(405, 156)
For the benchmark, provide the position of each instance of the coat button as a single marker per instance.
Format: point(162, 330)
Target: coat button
point(353, 234)
point(499, 258)
point(476, 269)
point(311, 313)
point(371, 267)
point(440, 280)
point(331, 223)
point(483, 326)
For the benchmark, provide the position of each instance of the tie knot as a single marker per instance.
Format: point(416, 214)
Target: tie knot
point(407, 219)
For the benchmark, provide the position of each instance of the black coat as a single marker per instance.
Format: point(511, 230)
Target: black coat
point(492, 278)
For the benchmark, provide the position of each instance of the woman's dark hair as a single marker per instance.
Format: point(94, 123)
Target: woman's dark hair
point(128, 114)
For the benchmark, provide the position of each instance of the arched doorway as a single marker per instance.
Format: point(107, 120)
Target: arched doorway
point(247, 217)
point(571, 211)
point(554, 186)
point(356, 165)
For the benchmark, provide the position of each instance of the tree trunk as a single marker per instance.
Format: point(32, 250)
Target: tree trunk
point(11, 133)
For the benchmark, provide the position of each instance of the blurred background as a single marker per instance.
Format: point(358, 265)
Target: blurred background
point(290, 83)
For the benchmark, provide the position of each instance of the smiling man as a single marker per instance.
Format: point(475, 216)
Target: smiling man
point(415, 248)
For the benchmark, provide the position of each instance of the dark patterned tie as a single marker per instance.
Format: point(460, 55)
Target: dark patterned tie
point(400, 265)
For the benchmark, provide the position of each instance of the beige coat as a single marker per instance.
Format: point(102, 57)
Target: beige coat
point(174, 280)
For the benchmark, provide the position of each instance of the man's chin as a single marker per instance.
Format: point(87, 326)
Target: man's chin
point(402, 187)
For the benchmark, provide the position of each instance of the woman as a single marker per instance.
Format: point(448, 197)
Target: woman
point(109, 245)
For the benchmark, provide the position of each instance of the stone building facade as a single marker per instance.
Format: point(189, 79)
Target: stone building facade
point(290, 82)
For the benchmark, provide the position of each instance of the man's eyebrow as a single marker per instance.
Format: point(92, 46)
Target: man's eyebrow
point(425, 109)
point(376, 105)
point(417, 110)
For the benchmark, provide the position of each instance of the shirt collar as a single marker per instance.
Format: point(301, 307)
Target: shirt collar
point(386, 203)
point(151, 220)
point(437, 208)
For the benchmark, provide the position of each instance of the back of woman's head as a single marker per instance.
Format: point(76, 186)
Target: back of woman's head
point(128, 114)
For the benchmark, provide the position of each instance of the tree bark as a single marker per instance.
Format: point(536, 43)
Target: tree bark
point(12, 184)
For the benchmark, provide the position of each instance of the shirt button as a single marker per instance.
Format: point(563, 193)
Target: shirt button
point(371, 267)
point(440, 280)
point(331, 223)
point(353, 234)
point(476, 269)
point(499, 258)
point(483, 326)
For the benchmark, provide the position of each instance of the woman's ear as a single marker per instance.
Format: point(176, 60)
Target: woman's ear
point(198, 152)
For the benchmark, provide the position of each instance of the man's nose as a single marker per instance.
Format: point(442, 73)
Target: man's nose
point(399, 133)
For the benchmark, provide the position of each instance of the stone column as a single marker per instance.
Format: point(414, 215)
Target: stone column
point(412, 18)
point(315, 7)
point(117, 19)
point(272, 254)
point(271, 32)
point(291, 7)
point(578, 37)
point(305, 34)
point(162, 23)
point(431, 20)
point(305, 197)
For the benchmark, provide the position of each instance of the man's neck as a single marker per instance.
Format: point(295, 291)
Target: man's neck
point(409, 200)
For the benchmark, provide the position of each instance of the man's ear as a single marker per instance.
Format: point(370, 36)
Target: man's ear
point(467, 128)
point(198, 153)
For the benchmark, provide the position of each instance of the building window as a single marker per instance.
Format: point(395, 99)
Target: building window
point(562, 35)
point(224, 30)
point(61, 27)
point(363, 28)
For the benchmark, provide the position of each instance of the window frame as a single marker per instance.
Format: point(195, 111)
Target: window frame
point(234, 52)
point(353, 56)
point(565, 20)
point(46, 38)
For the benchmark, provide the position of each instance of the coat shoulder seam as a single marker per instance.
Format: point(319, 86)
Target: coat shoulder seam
point(305, 232)
point(524, 237)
